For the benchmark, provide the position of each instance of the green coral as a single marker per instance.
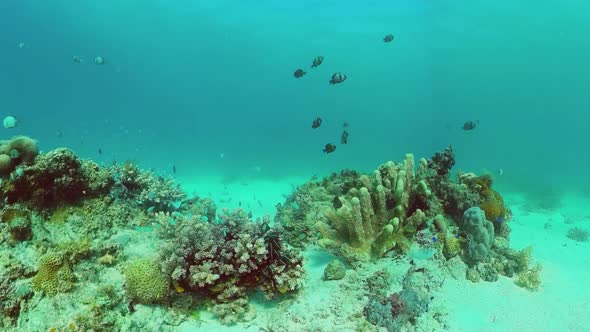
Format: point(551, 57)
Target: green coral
point(54, 276)
point(144, 282)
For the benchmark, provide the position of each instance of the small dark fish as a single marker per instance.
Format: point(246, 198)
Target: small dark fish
point(316, 123)
point(345, 125)
point(249, 214)
point(299, 73)
point(99, 151)
point(337, 202)
point(337, 78)
point(344, 137)
point(330, 148)
point(260, 203)
point(469, 125)
point(388, 38)
point(173, 169)
point(59, 134)
point(317, 61)
point(77, 59)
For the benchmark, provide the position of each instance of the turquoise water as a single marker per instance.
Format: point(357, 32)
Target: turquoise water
point(207, 88)
point(187, 82)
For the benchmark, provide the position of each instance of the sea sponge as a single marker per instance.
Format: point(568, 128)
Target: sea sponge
point(54, 276)
point(480, 234)
point(144, 282)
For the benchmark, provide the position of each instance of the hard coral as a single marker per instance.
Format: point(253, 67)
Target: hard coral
point(225, 260)
point(16, 151)
point(382, 214)
point(54, 178)
point(54, 276)
point(144, 282)
point(150, 191)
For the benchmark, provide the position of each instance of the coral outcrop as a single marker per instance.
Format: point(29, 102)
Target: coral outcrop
point(144, 282)
point(57, 177)
point(227, 259)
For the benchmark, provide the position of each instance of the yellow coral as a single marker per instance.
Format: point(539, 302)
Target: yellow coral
point(452, 246)
point(54, 275)
point(144, 282)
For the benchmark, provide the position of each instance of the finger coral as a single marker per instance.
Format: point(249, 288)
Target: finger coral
point(381, 214)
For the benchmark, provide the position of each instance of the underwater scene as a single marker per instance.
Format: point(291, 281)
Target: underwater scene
point(287, 166)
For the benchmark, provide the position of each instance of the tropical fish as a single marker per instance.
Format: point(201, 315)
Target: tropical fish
point(337, 78)
point(316, 123)
point(299, 73)
point(317, 61)
point(344, 137)
point(173, 169)
point(337, 202)
point(345, 125)
point(330, 148)
point(388, 38)
point(77, 59)
point(99, 151)
point(469, 125)
point(434, 239)
point(100, 60)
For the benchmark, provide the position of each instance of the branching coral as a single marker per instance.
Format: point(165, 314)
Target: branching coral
point(152, 192)
point(225, 260)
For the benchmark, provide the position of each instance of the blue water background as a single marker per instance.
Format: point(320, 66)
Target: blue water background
point(189, 81)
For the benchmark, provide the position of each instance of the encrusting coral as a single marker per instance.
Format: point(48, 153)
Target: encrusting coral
point(54, 276)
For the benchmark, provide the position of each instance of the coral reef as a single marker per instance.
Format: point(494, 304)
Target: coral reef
point(144, 282)
point(382, 214)
point(227, 259)
point(151, 192)
point(57, 177)
point(402, 311)
point(90, 224)
point(20, 150)
point(55, 275)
